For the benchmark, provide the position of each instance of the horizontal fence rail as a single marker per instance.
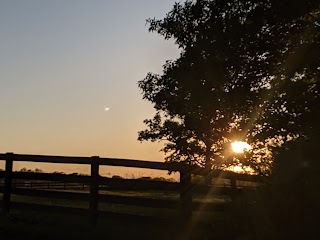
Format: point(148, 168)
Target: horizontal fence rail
point(175, 167)
point(95, 183)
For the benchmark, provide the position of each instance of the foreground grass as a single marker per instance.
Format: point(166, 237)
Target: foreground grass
point(29, 225)
point(127, 209)
point(36, 225)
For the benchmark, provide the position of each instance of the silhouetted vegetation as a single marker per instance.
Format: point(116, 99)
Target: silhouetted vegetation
point(24, 169)
point(248, 70)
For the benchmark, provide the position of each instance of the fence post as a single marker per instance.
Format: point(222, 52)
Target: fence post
point(233, 185)
point(7, 183)
point(94, 189)
point(185, 195)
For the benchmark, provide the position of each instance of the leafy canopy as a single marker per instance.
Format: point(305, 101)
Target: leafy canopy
point(248, 70)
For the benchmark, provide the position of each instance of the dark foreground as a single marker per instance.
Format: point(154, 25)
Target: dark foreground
point(33, 225)
point(29, 225)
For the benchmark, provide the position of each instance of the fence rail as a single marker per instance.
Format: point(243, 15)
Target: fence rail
point(95, 182)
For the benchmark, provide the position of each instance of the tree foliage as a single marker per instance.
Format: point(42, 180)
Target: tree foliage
point(248, 70)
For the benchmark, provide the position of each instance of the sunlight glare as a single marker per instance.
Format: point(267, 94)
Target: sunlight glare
point(237, 169)
point(239, 147)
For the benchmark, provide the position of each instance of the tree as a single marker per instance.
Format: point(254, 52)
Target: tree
point(24, 169)
point(248, 70)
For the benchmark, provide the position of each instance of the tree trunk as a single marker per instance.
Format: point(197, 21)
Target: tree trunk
point(208, 165)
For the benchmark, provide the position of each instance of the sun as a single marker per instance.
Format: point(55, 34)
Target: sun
point(239, 147)
point(237, 169)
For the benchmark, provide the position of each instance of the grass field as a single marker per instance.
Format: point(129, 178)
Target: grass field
point(29, 224)
point(39, 225)
point(127, 209)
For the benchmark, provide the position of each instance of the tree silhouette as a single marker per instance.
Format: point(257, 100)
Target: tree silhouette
point(248, 70)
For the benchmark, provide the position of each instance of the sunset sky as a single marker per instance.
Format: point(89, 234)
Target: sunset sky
point(63, 62)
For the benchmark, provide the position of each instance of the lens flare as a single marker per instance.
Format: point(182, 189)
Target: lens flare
point(239, 147)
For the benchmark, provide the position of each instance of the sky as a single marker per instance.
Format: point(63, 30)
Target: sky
point(62, 63)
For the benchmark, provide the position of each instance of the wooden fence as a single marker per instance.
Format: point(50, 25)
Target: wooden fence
point(185, 187)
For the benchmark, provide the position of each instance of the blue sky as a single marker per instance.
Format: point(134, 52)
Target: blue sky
point(62, 62)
